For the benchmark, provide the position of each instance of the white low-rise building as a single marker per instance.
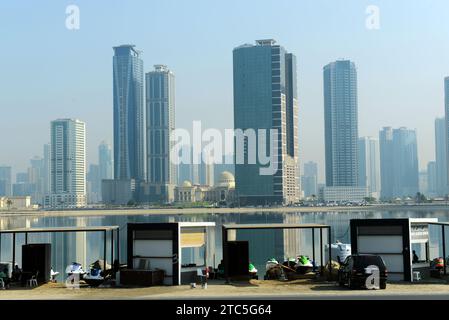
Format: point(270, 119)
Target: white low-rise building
point(15, 203)
point(343, 194)
point(224, 191)
point(65, 200)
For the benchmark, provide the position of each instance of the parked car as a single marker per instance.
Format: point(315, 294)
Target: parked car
point(354, 270)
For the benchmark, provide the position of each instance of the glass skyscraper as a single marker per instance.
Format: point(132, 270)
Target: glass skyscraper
point(405, 161)
point(309, 181)
point(341, 123)
point(5, 181)
point(399, 163)
point(446, 113)
point(441, 186)
point(129, 134)
point(431, 178)
point(105, 161)
point(160, 107)
point(369, 167)
point(265, 97)
point(386, 163)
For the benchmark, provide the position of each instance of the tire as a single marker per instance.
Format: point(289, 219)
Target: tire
point(341, 283)
point(350, 284)
point(383, 285)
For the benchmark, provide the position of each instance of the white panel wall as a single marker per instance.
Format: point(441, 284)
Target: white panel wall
point(153, 248)
point(394, 263)
point(379, 244)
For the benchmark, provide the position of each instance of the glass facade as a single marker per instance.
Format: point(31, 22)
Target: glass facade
point(129, 154)
point(446, 113)
point(341, 123)
point(105, 161)
point(441, 187)
point(369, 167)
point(398, 163)
point(5, 181)
point(265, 98)
point(160, 113)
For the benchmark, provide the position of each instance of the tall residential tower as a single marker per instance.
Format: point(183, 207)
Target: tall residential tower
point(265, 98)
point(5, 181)
point(399, 163)
point(441, 176)
point(160, 116)
point(105, 162)
point(369, 166)
point(129, 131)
point(67, 164)
point(341, 123)
point(446, 118)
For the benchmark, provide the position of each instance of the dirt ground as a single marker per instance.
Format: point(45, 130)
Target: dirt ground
point(255, 288)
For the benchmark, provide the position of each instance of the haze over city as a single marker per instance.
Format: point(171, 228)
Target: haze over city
point(224, 150)
point(51, 72)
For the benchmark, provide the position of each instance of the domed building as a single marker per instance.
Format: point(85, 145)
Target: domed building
point(186, 184)
point(226, 180)
point(222, 193)
point(185, 192)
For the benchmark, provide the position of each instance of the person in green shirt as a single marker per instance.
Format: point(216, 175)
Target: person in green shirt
point(4, 277)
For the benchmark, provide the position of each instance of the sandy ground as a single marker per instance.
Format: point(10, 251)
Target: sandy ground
point(256, 288)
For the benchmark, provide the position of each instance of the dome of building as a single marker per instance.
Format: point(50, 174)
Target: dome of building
point(226, 180)
point(186, 183)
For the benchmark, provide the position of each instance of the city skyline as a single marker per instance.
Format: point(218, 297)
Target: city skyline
point(367, 48)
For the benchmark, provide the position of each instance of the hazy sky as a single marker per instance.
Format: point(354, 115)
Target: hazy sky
point(48, 71)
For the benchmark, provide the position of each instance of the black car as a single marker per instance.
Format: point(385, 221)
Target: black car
point(355, 270)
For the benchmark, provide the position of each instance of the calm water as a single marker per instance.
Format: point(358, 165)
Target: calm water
point(264, 244)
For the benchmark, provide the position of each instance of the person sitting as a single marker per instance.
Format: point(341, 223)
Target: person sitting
point(415, 257)
point(4, 277)
point(220, 267)
point(16, 274)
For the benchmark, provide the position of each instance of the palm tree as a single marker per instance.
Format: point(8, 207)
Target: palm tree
point(9, 203)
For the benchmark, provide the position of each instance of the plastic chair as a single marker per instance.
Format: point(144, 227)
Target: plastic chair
point(416, 276)
point(202, 277)
point(32, 282)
